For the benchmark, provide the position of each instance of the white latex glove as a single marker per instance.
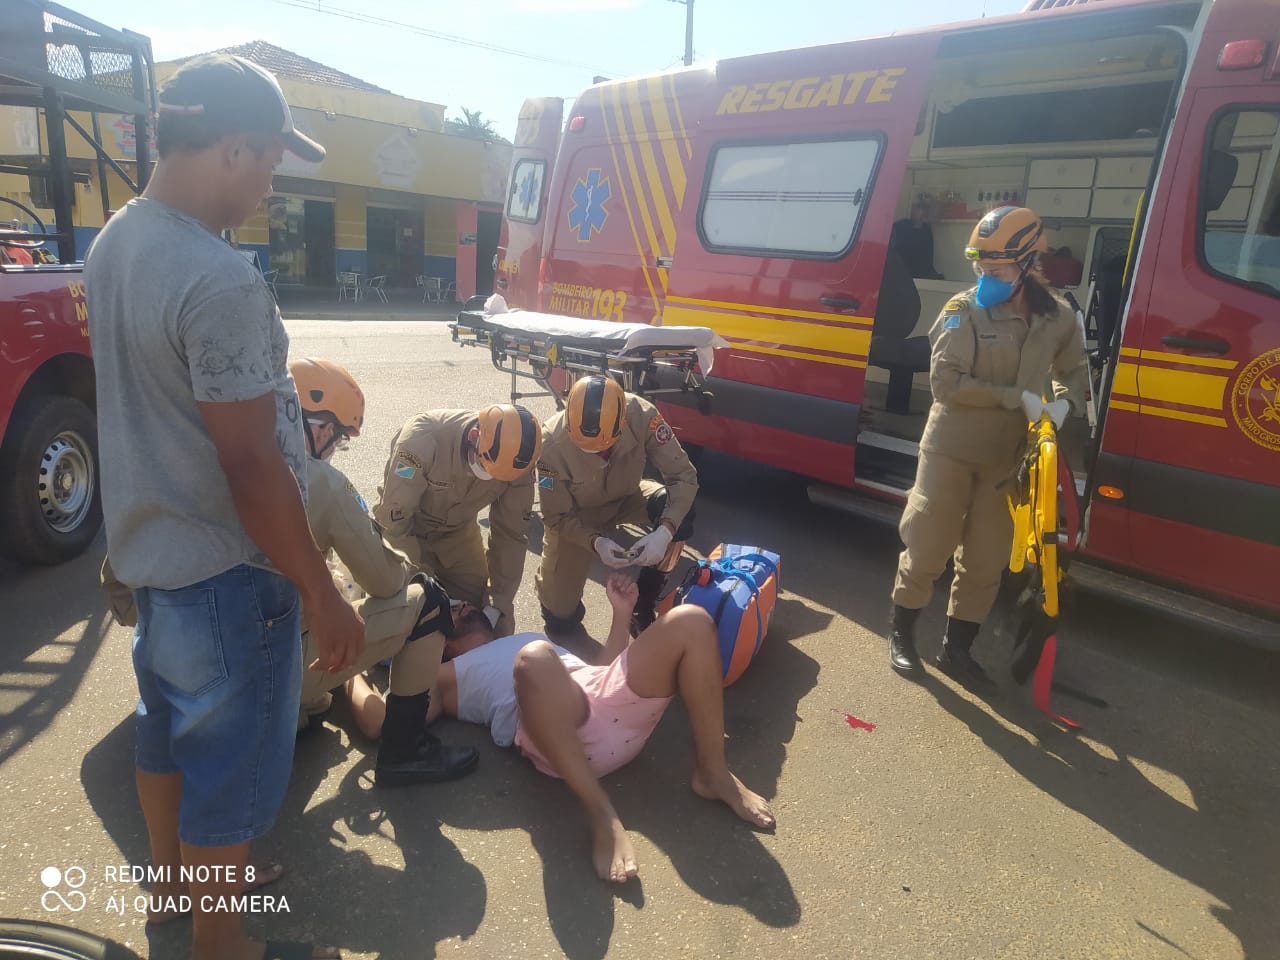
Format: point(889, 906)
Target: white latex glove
point(1032, 405)
point(612, 554)
point(1057, 411)
point(652, 547)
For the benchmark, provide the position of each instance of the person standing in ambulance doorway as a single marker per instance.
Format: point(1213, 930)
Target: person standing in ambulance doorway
point(994, 348)
point(445, 467)
point(590, 482)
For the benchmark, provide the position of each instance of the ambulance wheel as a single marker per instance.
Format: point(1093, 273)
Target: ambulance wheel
point(35, 940)
point(50, 504)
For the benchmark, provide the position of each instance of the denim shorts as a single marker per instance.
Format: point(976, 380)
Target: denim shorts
point(219, 675)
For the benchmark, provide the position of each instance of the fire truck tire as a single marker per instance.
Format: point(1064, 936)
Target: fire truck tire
point(50, 505)
point(35, 940)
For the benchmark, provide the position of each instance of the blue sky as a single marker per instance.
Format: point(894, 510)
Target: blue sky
point(614, 38)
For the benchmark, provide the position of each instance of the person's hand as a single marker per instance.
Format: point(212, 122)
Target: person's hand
point(623, 592)
point(337, 630)
point(1032, 405)
point(1057, 411)
point(652, 547)
point(613, 555)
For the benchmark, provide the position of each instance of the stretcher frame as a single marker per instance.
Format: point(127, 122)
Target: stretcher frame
point(645, 370)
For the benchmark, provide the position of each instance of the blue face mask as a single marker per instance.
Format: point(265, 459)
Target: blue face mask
point(992, 291)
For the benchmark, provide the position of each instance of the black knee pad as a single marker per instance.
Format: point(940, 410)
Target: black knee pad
point(437, 614)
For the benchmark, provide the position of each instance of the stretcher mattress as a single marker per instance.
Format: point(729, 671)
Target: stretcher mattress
point(602, 335)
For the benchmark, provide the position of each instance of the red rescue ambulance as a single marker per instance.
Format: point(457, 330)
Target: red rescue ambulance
point(758, 196)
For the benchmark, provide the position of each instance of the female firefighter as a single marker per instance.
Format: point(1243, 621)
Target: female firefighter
point(994, 347)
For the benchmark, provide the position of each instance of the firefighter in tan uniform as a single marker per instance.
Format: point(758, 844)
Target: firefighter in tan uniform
point(403, 614)
point(590, 482)
point(993, 350)
point(445, 467)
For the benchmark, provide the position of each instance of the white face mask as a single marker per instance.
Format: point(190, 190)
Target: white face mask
point(478, 470)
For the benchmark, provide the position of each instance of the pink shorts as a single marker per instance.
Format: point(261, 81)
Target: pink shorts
point(618, 721)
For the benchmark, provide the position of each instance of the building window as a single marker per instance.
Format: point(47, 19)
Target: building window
point(1240, 199)
point(524, 203)
point(794, 199)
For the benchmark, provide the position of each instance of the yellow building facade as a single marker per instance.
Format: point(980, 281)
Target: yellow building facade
point(396, 196)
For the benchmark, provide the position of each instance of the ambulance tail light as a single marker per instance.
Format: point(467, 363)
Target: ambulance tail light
point(1110, 493)
point(1242, 55)
point(542, 278)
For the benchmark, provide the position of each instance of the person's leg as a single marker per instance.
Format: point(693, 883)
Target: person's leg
point(680, 653)
point(981, 559)
point(931, 527)
point(560, 579)
point(552, 707)
point(366, 706)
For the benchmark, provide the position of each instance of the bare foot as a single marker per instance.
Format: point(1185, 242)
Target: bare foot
point(751, 807)
point(164, 904)
point(612, 853)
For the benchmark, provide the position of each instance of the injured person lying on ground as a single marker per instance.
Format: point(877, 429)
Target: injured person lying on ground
point(579, 722)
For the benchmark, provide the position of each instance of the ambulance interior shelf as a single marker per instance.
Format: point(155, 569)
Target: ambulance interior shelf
point(641, 357)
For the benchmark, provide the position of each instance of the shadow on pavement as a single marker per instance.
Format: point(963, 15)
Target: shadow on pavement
point(1122, 772)
point(40, 669)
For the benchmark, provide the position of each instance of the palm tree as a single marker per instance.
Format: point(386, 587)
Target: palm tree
point(472, 125)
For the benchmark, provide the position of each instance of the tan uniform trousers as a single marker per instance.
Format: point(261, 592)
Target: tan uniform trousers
point(387, 622)
point(457, 560)
point(957, 507)
point(563, 572)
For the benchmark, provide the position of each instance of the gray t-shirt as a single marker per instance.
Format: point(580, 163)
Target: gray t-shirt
point(177, 317)
point(486, 691)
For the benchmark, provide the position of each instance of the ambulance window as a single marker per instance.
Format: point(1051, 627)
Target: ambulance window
point(524, 203)
point(1240, 199)
point(796, 199)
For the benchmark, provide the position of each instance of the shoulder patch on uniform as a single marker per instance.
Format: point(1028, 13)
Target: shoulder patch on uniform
point(405, 471)
point(547, 483)
point(955, 305)
point(546, 471)
point(410, 459)
point(660, 429)
point(951, 322)
point(351, 489)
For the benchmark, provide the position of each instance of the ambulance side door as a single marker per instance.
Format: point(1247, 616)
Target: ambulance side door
point(1203, 486)
point(524, 216)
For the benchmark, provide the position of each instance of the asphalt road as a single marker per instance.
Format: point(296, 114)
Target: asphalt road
point(954, 829)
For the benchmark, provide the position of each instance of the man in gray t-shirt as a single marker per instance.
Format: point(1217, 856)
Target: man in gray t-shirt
point(203, 477)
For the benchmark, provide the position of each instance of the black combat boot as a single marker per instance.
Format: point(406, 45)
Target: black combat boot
point(957, 662)
point(649, 584)
point(902, 640)
point(567, 624)
point(409, 754)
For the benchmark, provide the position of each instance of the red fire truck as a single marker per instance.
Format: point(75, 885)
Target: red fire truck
point(812, 207)
point(64, 70)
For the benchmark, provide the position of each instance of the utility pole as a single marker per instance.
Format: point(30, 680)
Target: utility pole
point(688, 31)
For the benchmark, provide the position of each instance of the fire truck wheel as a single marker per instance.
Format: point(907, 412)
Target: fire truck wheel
point(35, 940)
point(50, 507)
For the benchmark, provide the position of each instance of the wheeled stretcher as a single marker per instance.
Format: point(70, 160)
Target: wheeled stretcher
point(644, 359)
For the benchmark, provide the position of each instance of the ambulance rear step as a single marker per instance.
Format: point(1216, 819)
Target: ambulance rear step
point(1245, 627)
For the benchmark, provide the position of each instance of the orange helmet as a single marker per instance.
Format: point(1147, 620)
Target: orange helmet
point(509, 441)
point(1007, 235)
point(595, 414)
point(325, 387)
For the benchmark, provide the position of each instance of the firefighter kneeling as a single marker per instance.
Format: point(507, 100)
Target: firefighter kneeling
point(590, 482)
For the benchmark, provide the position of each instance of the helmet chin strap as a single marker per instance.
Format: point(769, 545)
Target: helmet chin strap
point(311, 441)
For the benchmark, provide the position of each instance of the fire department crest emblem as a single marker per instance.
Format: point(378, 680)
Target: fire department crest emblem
point(1255, 400)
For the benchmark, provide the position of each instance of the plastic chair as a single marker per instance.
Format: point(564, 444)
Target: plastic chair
point(375, 285)
point(450, 292)
point(420, 281)
point(348, 282)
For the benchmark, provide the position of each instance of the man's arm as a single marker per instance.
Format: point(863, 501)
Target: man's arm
point(403, 484)
point(444, 694)
point(269, 504)
point(1071, 368)
point(622, 592)
point(508, 544)
point(377, 568)
point(679, 475)
point(557, 507)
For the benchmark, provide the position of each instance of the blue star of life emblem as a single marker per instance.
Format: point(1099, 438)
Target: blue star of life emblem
point(528, 191)
point(588, 213)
